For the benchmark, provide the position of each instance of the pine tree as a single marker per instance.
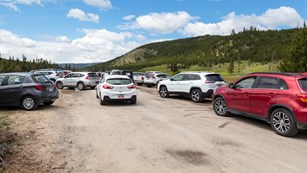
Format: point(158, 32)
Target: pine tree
point(297, 60)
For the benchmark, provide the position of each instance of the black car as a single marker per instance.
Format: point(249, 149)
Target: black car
point(26, 90)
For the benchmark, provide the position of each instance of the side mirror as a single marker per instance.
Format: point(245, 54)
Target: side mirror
point(231, 85)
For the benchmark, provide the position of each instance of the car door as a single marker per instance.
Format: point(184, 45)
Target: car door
point(189, 81)
point(263, 95)
point(174, 84)
point(12, 89)
point(239, 95)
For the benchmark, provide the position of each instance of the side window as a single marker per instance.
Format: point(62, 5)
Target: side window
point(1, 79)
point(268, 82)
point(178, 77)
point(195, 77)
point(246, 83)
point(283, 85)
point(15, 80)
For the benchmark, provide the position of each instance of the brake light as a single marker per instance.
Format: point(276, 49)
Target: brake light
point(87, 77)
point(131, 87)
point(208, 81)
point(106, 86)
point(39, 87)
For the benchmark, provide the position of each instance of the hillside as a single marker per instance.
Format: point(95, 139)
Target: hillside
point(205, 52)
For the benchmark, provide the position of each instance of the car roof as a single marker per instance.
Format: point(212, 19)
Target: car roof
point(117, 76)
point(198, 72)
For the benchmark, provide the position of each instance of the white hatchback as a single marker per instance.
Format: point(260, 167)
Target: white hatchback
point(116, 88)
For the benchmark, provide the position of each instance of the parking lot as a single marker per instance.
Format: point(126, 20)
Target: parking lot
point(77, 134)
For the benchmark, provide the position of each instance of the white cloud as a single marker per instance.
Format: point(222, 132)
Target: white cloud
point(99, 3)
point(82, 16)
point(140, 37)
point(94, 46)
point(129, 17)
point(13, 4)
point(162, 23)
point(271, 19)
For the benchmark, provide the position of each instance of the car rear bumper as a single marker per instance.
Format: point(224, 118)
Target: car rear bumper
point(107, 98)
point(127, 95)
point(208, 94)
point(48, 97)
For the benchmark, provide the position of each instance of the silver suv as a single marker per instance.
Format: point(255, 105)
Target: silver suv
point(52, 75)
point(194, 85)
point(81, 80)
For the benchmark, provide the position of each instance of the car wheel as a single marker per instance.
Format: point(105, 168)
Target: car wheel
point(196, 95)
point(133, 101)
point(28, 103)
point(48, 103)
point(80, 85)
point(59, 85)
point(283, 123)
point(163, 92)
point(220, 107)
point(139, 84)
point(92, 87)
point(102, 102)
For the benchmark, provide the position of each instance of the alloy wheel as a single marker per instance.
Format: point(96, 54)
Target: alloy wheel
point(28, 103)
point(220, 106)
point(281, 122)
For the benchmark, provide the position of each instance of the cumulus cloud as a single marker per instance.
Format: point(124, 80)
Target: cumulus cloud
point(99, 3)
point(271, 19)
point(13, 4)
point(94, 46)
point(162, 23)
point(82, 16)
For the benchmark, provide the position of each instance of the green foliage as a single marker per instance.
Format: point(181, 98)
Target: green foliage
point(15, 65)
point(296, 61)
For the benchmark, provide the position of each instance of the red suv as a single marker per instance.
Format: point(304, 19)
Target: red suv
point(278, 98)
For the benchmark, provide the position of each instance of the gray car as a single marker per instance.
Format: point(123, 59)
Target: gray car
point(81, 80)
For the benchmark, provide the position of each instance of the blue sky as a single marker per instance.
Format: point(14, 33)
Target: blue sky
point(82, 31)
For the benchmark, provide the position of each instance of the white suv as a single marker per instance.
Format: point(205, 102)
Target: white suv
point(81, 80)
point(195, 85)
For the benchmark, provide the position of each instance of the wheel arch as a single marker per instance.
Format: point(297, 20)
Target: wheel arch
point(192, 88)
point(274, 107)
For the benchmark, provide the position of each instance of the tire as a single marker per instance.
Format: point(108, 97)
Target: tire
point(163, 92)
point(48, 103)
point(59, 85)
point(80, 85)
point(139, 84)
point(97, 96)
point(133, 101)
point(220, 107)
point(102, 102)
point(92, 87)
point(283, 123)
point(28, 103)
point(196, 95)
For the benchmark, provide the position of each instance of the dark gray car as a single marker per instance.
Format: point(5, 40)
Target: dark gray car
point(26, 90)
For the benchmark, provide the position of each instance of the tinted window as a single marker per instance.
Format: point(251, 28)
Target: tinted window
point(283, 85)
point(119, 81)
point(15, 80)
point(178, 77)
point(214, 77)
point(268, 82)
point(303, 83)
point(1, 79)
point(93, 75)
point(138, 74)
point(246, 83)
point(191, 77)
point(40, 79)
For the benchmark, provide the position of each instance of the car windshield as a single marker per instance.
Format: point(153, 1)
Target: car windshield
point(40, 79)
point(303, 83)
point(214, 77)
point(119, 81)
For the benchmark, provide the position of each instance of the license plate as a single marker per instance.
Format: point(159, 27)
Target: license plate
point(120, 96)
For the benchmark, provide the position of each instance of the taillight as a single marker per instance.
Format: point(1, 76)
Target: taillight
point(106, 86)
point(208, 81)
point(131, 87)
point(87, 77)
point(302, 98)
point(39, 87)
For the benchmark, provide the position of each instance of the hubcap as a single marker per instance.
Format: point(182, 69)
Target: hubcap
point(80, 86)
point(28, 103)
point(281, 122)
point(195, 95)
point(220, 107)
point(163, 92)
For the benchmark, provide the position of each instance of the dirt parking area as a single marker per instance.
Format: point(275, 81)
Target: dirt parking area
point(77, 134)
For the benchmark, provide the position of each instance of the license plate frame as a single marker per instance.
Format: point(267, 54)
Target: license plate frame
point(120, 96)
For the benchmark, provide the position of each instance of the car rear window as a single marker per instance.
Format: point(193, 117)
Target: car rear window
point(303, 83)
point(92, 75)
point(214, 77)
point(40, 79)
point(119, 81)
